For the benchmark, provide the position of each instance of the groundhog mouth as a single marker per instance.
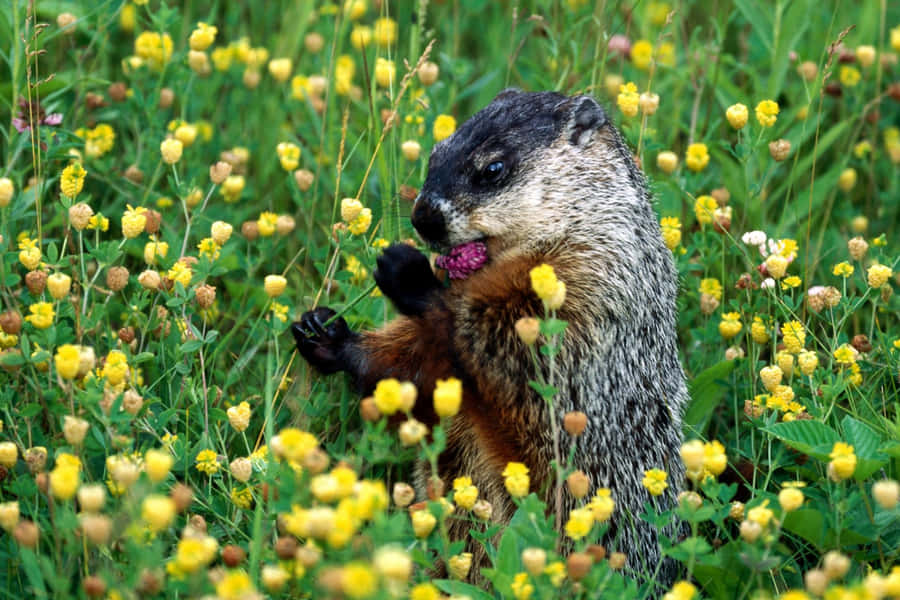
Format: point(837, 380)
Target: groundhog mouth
point(463, 260)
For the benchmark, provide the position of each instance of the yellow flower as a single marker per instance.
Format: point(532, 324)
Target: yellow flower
point(232, 188)
point(730, 325)
point(385, 72)
point(516, 479)
point(72, 180)
point(180, 272)
point(655, 481)
point(794, 336)
point(628, 99)
point(7, 189)
point(878, 275)
point(41, 315)
point(133, 221)
point(791, 282)
point(158, 512)
point(737, 115)
point(208, 248)
point(67, 360)
point(193, 553)
point(464, 493)
point(280, 69)
point(64, 481)
point(671, 231)
point(790, 499)
point(157, 464)
point(761, 515)
point(207, 462)
point(682, 590)
point(423, 523)
point(544, 282)
point(667, 161)
point(843, 269)
point(444, 126)
point(388, 396)
point(239, 416)
point(846, 355)
point(847, 179)
point(300, 87)
point(697, 157)
point(843, 461)
point(712, 287)
point(849, 76)
point(295, 445)
point(155, 248)
point(361, 223)
point(171, 150)
point(580, 522)
point(267, 223)
point(447, 397)
point(289, 155)
point(361, 36)
point(203, 36)
point(385, 31)
point(424, 591)
point(393, 563)
point(98, 222)
point(280, 311)
point(358, 580)
point(156, 49)
point(776, 265)
point(602, 505)
point(807, 361)
point(115, 368)
point(704, 209)
point(767, 113)
point(641, 53)
point(236, 585)
point(241, 497)
point(520, 587)
point(759, 331)
point(274, 285)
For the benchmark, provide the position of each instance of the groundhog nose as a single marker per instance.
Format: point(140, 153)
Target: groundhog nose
point(428, 221)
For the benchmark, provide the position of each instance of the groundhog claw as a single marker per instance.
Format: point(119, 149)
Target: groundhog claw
point(404, 275)
point(320, 344)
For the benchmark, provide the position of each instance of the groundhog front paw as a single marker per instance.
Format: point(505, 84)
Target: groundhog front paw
point(404, 275)
point(323, 346)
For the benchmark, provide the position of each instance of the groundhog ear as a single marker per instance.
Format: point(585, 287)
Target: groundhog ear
point(585, 117)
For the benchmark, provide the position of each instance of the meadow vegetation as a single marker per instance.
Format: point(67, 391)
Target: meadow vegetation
point(180, 180)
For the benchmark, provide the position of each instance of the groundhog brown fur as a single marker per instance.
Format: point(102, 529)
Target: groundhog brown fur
point(540, 178)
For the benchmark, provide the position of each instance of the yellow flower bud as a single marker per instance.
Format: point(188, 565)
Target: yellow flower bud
point(274, 285)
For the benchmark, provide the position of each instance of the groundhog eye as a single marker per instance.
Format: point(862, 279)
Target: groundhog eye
point(493, 172)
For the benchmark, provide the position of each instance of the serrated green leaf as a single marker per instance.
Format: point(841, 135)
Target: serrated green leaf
point(810, 437)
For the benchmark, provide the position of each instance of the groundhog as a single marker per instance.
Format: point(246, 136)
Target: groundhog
point(539, 178)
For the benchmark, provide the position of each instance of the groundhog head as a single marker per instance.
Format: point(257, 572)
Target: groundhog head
point(519, 171)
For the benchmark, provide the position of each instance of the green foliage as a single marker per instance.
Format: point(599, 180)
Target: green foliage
point(168, 366)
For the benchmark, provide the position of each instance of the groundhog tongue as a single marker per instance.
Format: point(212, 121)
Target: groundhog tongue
point(463, 260)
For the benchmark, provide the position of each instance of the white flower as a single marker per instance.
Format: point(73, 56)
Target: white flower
point(768, 283)
point(754, 238)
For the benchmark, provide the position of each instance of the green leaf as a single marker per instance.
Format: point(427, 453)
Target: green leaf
point(191, 346)
point(458, 588)
point(808, 524)
point(551, 327)
point(692, 546)
point(707, 389)
point(865, 442)
point(809, 437)
point(760, 22)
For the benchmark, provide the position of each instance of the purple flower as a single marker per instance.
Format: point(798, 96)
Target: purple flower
point(463, 260)
point(29, 110)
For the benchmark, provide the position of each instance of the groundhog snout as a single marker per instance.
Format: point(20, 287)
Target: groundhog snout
point(429, 221)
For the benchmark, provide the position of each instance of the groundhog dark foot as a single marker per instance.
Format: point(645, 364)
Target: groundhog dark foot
point(323, 346)
point(404, 275)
